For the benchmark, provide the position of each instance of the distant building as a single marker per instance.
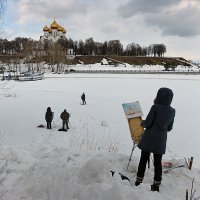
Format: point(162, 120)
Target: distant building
point(53, 33)
point(70, 54)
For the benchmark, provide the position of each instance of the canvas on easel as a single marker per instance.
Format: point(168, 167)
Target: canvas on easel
point(136, 129)
point(133, 114)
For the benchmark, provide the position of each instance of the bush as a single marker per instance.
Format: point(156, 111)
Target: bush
point(170, 66)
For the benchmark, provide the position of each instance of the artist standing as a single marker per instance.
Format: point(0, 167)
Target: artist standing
point(158, 122)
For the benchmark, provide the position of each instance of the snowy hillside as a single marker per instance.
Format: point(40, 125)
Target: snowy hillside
point(36, 163)
point(128, 67)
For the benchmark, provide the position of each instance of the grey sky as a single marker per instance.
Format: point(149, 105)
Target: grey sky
point(168, 16)
point(133, 7)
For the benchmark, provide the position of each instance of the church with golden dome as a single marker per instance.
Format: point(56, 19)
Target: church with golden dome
point(53, 33)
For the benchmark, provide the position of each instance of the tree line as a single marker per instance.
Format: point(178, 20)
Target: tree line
point(87, 47)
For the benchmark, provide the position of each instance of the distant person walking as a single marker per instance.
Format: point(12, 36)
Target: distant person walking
point(83, 99)
point(49, 117)
point(65, 119)
point(158, 122)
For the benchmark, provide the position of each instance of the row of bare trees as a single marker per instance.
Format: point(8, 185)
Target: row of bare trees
point(14, 46)
point(156, 50)
point(87, 47)
point(38, 52)
point(113, 47)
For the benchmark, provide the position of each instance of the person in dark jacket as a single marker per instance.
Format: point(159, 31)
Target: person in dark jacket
point(83, 98)
point(65, 118)
point(158, 122)
point(49, 117)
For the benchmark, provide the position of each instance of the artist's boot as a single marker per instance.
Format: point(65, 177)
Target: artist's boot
point(138, 180)
point(155, 186)
point(137, 183)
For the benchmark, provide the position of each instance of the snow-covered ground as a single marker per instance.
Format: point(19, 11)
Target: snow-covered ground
point(36, 163)
point(128, 67)
point(98, 67)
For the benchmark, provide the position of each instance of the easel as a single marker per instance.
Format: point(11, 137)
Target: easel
point(136, 131)
point(134, 145)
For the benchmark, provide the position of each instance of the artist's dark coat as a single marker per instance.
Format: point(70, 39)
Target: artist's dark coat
point(158, 122)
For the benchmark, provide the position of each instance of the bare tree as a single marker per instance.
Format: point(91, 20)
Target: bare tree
point(115, 47)
point(105, 48)
point(158, 50)
point(28, 52)
point(90, 46)
point(80, 47)
point(57, 54)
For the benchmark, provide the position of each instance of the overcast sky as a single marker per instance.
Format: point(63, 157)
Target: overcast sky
point(176, 23)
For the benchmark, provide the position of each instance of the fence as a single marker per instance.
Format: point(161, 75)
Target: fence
point(137, 72)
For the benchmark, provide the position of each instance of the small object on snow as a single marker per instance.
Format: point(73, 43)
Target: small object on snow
point(173, 167)
point(124, 177)
point(41, 126)
point(121, 175)
point(61, 129)
point(190, 162)
point(104, 123)
point(167, 164)
point(112, 172)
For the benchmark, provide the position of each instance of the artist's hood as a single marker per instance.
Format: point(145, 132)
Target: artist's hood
point(164, 96)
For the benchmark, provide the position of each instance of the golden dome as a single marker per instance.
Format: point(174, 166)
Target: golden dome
point(60, 28)
point(50, 31)
point(64, 31)
point(54, 25)
point(46, 28)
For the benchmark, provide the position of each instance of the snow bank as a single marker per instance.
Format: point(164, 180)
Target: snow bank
point(60, 174)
